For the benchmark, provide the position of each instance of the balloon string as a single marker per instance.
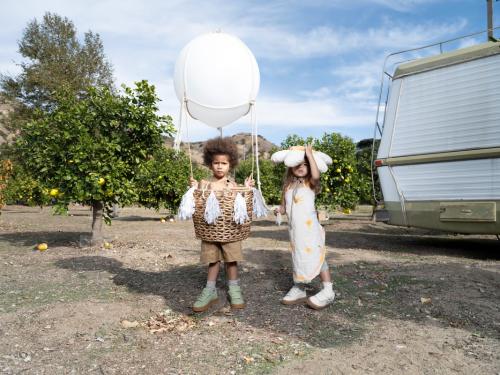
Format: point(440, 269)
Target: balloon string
point(252, 139)
point(178, 136)
point(188, 142)
point(254, 125)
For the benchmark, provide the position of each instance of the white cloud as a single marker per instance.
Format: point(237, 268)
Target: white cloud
point(142, 40)
point(402, 5)
point(282, 113)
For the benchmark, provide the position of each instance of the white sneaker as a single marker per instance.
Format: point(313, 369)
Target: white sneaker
point(321, 299)
point(294, 296)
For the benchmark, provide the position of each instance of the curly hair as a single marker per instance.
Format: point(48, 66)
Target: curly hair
point(220, 146)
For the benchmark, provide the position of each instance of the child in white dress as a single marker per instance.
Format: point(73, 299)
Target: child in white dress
point(307, 236)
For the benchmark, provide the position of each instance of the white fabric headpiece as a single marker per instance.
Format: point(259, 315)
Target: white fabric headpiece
point(296, 155)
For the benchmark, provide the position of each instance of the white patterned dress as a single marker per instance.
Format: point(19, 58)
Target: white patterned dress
point(307, 236)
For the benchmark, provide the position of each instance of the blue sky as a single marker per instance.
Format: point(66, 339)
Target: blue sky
point(320, 60)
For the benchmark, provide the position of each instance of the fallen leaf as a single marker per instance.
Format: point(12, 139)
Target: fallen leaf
point(248, 360)
point(425, 300)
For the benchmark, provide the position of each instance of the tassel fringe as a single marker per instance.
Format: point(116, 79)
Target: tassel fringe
point(240, 214)
point(259, 206)
point(212, 209)
point(186, 209)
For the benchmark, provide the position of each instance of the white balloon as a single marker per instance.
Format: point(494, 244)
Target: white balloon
point(218, 77)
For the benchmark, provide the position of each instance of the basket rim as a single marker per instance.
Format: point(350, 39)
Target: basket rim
point(238, 188)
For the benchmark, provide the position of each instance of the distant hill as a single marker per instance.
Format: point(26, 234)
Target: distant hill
point(243, 142)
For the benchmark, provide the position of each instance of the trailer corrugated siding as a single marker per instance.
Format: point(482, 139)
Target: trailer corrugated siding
point(447, 109)
point(457, 180)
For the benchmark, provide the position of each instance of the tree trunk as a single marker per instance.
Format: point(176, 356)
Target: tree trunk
point(96, 238)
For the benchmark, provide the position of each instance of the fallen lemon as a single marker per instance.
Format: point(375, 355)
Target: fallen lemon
point(162, 220)
point(54, 192)
point(107, 245)
point(347, 210)
point(42, 246)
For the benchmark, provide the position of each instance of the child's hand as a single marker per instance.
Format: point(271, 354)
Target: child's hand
point(249, 182)
point(193, 182)
point(309, 149)
point(279, 210)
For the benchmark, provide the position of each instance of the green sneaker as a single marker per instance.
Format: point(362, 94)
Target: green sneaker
point(235, 297)
point(207, 298)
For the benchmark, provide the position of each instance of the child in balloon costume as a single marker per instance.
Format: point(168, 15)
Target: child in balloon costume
point(307, 236)
point(220, 156)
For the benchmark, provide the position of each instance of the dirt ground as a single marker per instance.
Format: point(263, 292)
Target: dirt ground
point(408, 301)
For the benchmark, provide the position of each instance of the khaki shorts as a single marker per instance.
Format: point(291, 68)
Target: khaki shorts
point(212, 252)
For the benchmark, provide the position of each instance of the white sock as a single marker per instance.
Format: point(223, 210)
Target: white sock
point(327, 285)
point(211, 285)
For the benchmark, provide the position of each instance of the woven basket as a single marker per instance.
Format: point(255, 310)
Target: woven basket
point(224, 229)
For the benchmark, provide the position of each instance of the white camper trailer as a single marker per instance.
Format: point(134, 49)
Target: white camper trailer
point(439, 154)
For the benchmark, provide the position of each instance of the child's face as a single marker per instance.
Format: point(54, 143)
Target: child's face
point(220, 166)
point(301, 170)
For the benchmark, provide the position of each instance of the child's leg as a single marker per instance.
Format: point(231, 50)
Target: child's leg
point(234, 290)
point(211, 254)
point(325, 277)
point(213, 271)
point(232, 271)
point(326, 296)
point(324, 273)
point(232, 254)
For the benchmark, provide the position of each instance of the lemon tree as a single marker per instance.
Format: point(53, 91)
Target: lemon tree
point(164, 178)
point(90, 150)
point(271, 177)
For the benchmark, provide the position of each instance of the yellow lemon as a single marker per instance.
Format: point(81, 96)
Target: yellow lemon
point(42, 246)
point(107, 245)
point(162, 220)
point(327, 190)
point(338, 170)
point(101, 181)
point(347, 211)
point(54, 192)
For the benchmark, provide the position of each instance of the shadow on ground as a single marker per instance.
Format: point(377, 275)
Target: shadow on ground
point(54, 238)
point(401, 240)
point(460, 296)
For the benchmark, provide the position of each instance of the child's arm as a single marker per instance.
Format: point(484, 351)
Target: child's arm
point(312, 166)
point(282, 208)
point(249, 182)
point(193, 182)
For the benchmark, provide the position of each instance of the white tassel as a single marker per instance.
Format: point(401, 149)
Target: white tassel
point(186, 209)
point(240, 214)
point(259, 207)
point(278, 219)
point(212, 209)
